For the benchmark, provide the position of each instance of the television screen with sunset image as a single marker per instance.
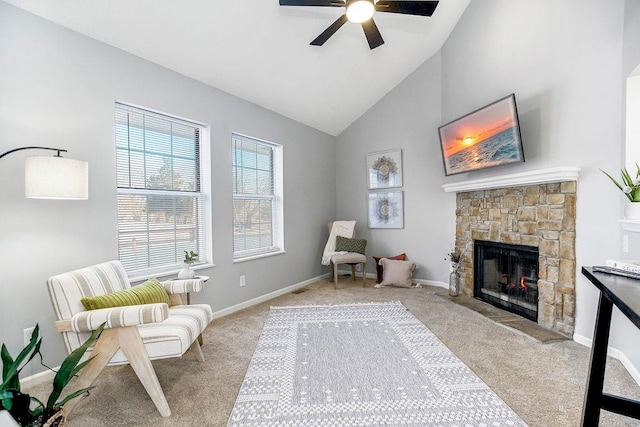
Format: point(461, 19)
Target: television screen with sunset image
point(485, 138)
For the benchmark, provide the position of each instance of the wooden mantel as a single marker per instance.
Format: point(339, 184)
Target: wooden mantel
point(532, 177)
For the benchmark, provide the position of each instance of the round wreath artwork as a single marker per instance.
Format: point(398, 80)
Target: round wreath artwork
point(386, 210)
point(385, 167)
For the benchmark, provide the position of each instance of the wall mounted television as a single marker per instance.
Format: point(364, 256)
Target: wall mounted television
point(487, 137)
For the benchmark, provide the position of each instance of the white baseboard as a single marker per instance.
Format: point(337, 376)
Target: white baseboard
point(39, 378)
point(435, 283)
point(633, 371)
point(267, 297)
point(613, 352)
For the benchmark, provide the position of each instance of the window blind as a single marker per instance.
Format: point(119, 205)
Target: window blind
point(255, 202)
point(161, 210)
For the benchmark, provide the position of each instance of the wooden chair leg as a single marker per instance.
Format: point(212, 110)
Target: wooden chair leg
point(333, 268)
point(335, 275)
point(364, 274)
point(102, 352)
point(133, 347)
point(197, 350)
point(175, 299)
point(353, 272)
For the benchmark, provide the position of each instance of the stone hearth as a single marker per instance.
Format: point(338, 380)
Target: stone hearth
point(543, 216)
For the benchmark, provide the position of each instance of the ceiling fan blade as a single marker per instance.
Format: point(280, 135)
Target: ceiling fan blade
point(373, 34)
point(408, 7)
point(319, 41)
point(330, 3)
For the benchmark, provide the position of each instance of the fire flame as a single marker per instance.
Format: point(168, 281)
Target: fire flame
point(522, 286)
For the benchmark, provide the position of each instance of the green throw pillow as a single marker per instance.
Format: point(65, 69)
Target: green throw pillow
point(149, 292)
point(350, 245)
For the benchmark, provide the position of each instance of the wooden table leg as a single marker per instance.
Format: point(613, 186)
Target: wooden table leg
point(593, 393)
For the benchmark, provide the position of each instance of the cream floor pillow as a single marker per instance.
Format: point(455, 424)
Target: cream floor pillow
point(396, 272)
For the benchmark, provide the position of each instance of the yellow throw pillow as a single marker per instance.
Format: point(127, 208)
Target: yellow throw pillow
point(149, 292)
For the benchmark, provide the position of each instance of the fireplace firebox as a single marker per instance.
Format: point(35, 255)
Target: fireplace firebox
point(507, 276)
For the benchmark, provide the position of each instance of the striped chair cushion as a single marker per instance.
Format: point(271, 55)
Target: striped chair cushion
point(172, 337)
point(183, 286)
point(117, 317)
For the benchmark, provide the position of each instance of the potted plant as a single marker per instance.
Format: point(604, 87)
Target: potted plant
point(631, 189)
point(189, 258)
point(28, 410)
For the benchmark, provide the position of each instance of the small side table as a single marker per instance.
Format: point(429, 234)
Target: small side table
point(624, 293)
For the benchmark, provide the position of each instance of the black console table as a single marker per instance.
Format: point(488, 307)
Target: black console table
point(624, 293)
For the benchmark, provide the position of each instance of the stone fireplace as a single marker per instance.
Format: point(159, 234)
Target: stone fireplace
point(541, 216)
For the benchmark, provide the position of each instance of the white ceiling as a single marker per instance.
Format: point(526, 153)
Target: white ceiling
point(259, 50)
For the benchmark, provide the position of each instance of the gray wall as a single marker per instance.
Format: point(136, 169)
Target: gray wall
point(563, 60)
point(57, 88)
point(405, 118)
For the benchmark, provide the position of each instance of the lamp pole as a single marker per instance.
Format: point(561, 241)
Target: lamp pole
point(59, 150)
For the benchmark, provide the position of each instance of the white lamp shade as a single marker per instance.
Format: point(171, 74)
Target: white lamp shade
point(56, 178)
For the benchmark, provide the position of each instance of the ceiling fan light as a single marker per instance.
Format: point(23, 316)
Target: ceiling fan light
point(360, 11)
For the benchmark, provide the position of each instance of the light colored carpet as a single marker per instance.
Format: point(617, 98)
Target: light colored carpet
point(543, 383)
point(371, 364)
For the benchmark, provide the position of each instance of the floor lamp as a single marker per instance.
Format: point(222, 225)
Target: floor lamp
point(54, 177)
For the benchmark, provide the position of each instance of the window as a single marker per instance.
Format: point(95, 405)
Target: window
point(257, 197)
point(161, 200)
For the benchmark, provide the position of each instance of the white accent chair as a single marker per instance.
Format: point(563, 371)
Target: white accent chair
point(351, 258)
point(133, 335)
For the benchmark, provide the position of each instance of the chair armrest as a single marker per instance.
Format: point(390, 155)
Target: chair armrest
point(183, 286)
point(118, 317)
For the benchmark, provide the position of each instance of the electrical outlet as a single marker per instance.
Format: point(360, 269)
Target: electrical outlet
point(26, 334)
point(243, 280)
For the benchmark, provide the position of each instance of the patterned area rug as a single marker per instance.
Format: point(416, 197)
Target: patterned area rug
point(360, 365)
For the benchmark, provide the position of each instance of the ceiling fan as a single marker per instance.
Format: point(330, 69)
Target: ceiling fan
point(361, 12)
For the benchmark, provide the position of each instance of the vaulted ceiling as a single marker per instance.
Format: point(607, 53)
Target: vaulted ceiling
point(260, 52)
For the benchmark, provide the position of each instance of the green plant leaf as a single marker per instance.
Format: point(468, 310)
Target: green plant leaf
point(7, 402)
point(11, 368)
point(68, 369)
point(617, 184)
point(73, 395)
point(626, 178)
point(8, 366)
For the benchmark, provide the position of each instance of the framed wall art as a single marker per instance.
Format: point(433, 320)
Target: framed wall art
point(384, 169)
point(386, 209)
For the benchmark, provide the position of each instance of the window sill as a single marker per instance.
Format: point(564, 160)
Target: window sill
point(252, 257)
point(165, 275)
